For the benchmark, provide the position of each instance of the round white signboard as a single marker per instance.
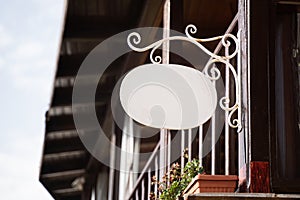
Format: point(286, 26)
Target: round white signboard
point(168, 96)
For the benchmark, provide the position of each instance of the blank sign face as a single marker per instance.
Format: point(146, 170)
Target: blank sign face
point(168, 96)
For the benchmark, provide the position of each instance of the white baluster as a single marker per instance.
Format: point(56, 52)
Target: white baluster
point(149, 180)
point(169, 151)
point(137, 195)
point(190, 144)
point(200, 144)
point(213, 137)
point(182, 148)
point(156, 174)
point(227, 88)
point(143, 189)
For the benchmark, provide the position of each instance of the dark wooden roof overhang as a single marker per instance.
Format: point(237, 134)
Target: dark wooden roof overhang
point(87, 23)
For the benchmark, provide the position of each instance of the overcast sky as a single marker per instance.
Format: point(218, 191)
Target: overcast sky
point(29, 39)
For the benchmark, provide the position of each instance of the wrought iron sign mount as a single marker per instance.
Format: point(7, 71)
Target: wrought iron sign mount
point(211, 70)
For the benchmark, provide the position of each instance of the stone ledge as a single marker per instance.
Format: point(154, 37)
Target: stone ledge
point(242, 196)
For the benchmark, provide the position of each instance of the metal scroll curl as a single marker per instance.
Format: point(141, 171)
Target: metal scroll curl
point(210, 70)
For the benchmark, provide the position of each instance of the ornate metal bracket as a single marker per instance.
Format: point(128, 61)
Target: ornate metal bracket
point(210, 69)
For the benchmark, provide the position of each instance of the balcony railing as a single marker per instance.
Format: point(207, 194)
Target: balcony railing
point(223, 157)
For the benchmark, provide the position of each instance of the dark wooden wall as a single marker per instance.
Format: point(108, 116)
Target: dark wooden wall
point(265, 86)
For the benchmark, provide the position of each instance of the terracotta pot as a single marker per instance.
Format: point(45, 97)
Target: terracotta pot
point(212, 183)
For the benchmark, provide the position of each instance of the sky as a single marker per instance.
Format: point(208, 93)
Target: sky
point(30, 33)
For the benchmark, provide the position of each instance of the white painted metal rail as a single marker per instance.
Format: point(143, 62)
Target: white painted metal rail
point(143, 186)
point(146, 173)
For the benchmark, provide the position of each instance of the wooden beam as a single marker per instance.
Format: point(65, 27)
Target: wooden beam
point(59, 123)
point(62, 175)
point(79, 108)
point(63, 97)
point(289, 2)
point(60, 135)
point(65, 164)
point(68, 192)
point(68, 65)
point(56, 157)
point(63, 145)
point(66, 122)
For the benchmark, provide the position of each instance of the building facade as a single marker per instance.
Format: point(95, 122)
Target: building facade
point(263, 151)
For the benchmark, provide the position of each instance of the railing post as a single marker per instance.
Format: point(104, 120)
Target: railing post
point(156, 175)
point(182, 148)
point(143, 189)
point(244, 67)
point(227, 88)
point(165, 60)
point(163, 153)
point(213, 138)
point(137, 195)
point(169, 152)
point(149, 180)
point(200, 144)
point(112, 164)
point(190, 144)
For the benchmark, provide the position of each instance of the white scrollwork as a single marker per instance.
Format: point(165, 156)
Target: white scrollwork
point(191, 29)
point(210, 70)
point(136, 38)
point(235, 122)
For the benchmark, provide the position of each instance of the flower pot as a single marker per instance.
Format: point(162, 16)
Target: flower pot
point(212, 183)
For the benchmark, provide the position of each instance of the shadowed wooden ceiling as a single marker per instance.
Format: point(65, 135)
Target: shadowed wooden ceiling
point(210, 17)
point(87, 23)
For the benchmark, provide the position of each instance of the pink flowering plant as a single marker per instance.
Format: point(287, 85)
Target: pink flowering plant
point(176, 180)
